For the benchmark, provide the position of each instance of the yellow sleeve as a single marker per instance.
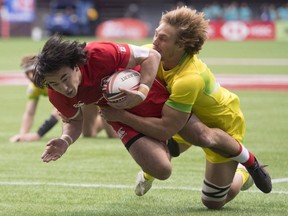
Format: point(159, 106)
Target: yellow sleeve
point(184, 92)
point(34, 93)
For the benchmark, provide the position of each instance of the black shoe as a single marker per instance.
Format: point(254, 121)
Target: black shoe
point(260, 176)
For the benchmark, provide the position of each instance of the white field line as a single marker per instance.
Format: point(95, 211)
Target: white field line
point(237, 79)
point(280, 180)
point(112, 186)
point(247, 61)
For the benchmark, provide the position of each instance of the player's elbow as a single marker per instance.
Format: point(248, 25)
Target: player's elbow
point(155, 54)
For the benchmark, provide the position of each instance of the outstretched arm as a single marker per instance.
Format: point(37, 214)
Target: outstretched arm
point(28, 116)
point(55, 148)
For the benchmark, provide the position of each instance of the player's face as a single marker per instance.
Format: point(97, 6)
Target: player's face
point(65, 81)
point(164, 41)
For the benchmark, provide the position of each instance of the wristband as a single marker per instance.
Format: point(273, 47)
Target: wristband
point(143, 91)
point(141, 95)
point(145, 86)
point(67, 139)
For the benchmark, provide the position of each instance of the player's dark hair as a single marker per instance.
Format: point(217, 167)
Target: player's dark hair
point(56, 54)
point(191, 27)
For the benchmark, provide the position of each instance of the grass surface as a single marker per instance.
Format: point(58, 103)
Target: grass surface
point(13, 49)
point(96, 176)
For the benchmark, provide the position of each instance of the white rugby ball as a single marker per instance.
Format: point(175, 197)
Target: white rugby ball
point(127, 79)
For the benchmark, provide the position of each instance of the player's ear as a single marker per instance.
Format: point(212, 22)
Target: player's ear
point(75, 68)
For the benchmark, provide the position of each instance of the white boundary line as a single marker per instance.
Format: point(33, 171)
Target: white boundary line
point(280, 180)
point(247, 61)
point(112, 186)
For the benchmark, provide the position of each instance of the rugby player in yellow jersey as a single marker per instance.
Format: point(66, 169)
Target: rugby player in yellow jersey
point(193, 89)
point(92, 125)
point(33, 95)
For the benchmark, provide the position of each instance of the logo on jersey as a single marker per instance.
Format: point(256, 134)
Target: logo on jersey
point(79, 104)
point(122, 49)
point(121, 132)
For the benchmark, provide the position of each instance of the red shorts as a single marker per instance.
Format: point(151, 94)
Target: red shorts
point(151, 107)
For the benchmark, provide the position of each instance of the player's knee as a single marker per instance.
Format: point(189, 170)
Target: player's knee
point(212, 204)
point(206, 139)
point(162, 172)
point(87, 134)
point(213, 196)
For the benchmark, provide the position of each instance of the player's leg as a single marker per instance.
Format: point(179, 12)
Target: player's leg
point(90, 113)
point(222, 180)
point(201, 135)
point(144, 180)
point(217, 187)
point(221, 142)
point(109, 130)
point(93, 123)
point(152, 156)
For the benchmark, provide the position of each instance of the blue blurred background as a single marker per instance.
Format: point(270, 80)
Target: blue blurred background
point(138, 19)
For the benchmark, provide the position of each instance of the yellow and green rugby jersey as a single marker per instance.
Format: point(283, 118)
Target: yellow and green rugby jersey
point(34, 93)
point(193, 88)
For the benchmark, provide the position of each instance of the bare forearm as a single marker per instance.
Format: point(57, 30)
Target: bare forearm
point(73, 129)
point(28, 116)
point(161, 128)
point(150, 126)
point(26, 124)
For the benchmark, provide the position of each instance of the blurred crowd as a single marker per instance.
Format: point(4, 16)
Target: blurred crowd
point(216, 11)
point(75, 17)
point(72, 17)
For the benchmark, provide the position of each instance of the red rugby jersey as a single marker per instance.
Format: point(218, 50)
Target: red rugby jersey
point(104, 58)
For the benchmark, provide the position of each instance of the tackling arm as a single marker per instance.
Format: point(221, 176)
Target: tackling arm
point(162, 128)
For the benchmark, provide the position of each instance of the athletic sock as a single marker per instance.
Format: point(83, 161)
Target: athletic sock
point(245, 157)
point(250, 161)
point(147, 176)
point(245, 175)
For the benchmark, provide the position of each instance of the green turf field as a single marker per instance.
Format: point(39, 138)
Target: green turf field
point(13, 49)
point(96, 176)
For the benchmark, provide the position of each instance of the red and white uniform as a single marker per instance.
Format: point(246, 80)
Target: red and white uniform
point(103, 60)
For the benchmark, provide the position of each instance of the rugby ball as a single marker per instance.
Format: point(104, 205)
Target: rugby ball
point(127, 79)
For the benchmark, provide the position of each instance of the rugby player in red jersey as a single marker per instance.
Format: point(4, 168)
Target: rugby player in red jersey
point(75, 73)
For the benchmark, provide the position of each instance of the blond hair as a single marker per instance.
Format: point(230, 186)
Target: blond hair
point(191, 27)
point(28, 62)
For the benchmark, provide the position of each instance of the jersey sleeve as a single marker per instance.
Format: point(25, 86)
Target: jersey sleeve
point(184, 92)
point(34, 93)
point(64, 105)
point(108, 57)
